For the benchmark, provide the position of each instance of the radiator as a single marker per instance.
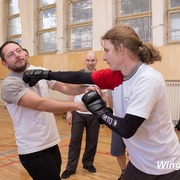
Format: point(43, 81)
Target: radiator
point(173, 93)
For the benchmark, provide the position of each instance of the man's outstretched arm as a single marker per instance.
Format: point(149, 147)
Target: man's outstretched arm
point(31, 77)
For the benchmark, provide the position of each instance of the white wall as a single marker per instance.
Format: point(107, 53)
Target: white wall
point(158, 24)
point(27, 24)
point(102, 20)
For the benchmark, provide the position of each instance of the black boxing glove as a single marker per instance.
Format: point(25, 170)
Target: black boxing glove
point(31, 77)
point(95, 104)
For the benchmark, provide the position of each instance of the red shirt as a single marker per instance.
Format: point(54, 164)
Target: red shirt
point(107, 79)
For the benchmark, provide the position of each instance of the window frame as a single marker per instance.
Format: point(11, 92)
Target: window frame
point(75, 25)
point(134, 16)
point(171, 10)
point(11, 17)
point(42, 31)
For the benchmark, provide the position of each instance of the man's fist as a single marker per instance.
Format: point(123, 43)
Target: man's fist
point(31, 77)
point(95, 104)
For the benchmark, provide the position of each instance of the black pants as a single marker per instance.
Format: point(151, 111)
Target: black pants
point(43, 165)
point(79, 123)
point(132, 173)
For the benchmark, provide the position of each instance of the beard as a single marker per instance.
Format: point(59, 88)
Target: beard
point(19, 69)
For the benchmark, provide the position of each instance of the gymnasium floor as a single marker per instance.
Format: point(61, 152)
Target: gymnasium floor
point(10, 167)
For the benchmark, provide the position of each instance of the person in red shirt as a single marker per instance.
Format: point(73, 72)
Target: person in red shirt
point(142, 116)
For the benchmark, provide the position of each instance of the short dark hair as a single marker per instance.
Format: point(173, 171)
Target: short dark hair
point(25, 51)
point(1, 48)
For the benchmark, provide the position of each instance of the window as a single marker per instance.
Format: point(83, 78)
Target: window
point(46, 31)
point(79, 24)
point(14, 23)
point(173, 21)
point(136, 14)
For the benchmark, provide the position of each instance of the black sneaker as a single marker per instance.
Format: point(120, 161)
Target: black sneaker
point(66, 174)
point(91, 168)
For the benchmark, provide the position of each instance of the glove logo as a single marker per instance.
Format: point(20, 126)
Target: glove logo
point(114, 123)
point(109, 120)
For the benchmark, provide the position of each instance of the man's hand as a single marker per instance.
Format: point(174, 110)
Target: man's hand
point(95, 104)
point(94, 88)
point(31, 77)
point(69, 117)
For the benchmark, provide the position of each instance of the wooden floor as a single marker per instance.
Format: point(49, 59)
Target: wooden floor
point(11, 168)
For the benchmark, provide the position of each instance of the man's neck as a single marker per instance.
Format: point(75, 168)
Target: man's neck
point(88, 70)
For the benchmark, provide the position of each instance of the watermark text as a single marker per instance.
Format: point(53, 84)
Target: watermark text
point(168, 165)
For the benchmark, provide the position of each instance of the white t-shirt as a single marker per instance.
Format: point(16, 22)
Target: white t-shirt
point(155, 142)
point(34, 130)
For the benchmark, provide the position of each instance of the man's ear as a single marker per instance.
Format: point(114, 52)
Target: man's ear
point(121, 48)
point(5, 64)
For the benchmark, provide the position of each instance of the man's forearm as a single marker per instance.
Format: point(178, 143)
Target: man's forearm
point(70, 89)
point(31, 77)
point(73, 77)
